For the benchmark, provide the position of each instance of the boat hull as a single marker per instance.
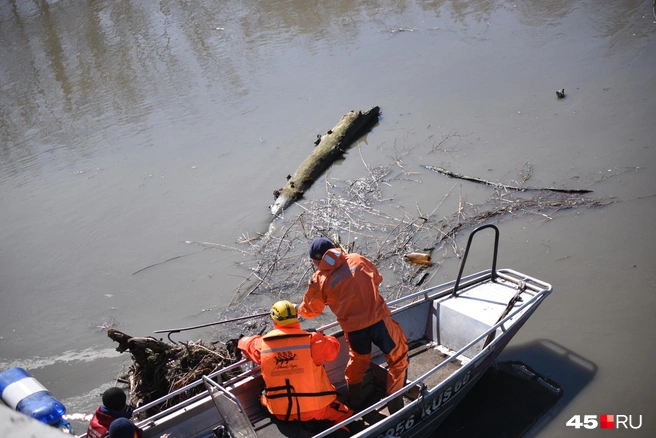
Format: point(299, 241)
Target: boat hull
point(421, 417)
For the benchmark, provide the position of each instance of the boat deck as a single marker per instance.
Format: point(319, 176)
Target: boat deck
point(423, 355)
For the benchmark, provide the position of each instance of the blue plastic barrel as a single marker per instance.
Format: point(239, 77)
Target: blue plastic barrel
point(22, 392)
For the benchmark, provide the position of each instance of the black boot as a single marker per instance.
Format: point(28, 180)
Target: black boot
point(355, 392)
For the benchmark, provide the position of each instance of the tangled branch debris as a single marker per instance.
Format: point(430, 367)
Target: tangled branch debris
point(159, 368)
point(350, 213)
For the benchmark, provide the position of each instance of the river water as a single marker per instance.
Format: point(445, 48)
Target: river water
point(130, 128)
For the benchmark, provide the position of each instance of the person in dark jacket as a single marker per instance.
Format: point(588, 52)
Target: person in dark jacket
point(114, 405)
point(122, 428)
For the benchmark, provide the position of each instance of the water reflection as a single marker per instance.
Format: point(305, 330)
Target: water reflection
point(73, 73)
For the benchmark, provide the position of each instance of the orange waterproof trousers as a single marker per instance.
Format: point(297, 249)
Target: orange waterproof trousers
point(397, 358)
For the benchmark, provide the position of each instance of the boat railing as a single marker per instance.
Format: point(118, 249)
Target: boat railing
point(531, 283)
point(540, 295)
point(186, 388)
point(191, 400)
point(464, 257)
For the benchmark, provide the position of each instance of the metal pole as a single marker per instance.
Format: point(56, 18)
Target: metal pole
point(178, 330)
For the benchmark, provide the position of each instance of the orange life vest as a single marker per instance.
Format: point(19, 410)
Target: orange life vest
point(294, 384)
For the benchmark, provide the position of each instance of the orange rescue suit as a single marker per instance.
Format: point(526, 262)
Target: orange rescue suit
point(348, 284)
point(294, 383)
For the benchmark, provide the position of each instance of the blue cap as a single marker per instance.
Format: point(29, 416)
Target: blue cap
point(319, 246)
point(121, 428)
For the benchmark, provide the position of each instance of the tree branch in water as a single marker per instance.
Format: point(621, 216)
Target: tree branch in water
point(443, 171)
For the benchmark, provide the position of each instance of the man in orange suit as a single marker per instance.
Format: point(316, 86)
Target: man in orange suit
point(348, 284)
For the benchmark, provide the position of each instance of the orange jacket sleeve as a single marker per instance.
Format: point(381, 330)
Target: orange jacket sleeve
point(251, 346)
point(324, 348)
point(313, 301)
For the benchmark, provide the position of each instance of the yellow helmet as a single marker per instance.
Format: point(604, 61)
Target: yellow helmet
point(283, 313)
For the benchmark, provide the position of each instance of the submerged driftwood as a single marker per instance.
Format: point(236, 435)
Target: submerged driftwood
point(331, 147)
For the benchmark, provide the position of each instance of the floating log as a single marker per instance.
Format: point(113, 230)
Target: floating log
point(331, 146)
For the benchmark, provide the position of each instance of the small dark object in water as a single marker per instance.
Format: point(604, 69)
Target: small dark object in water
point(560, 93)
point(318, 140)
point(330, 132)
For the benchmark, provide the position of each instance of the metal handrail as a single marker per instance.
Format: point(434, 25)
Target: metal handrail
point(190, 386)
point(187, 402)
point(209, 383)
point(494, 257)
